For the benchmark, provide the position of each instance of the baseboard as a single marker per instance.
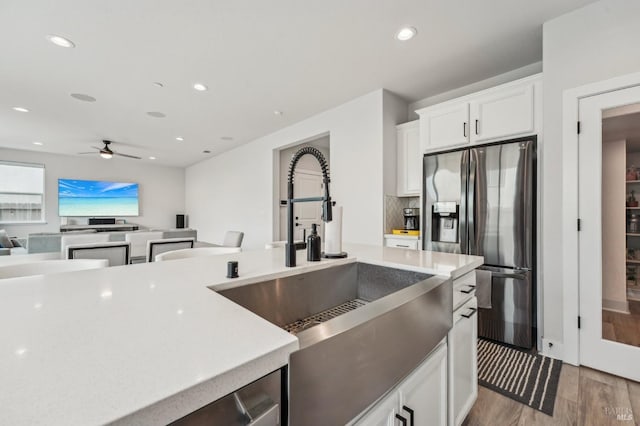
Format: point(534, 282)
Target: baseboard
point(616, 306)
point(552, 349)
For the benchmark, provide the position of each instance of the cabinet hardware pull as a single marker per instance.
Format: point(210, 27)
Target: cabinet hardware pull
point(476, 126)
point(402, 419)
point(400, 245)
point(410, 411)
point(472, 313)
point(464, 129)
point(469, 290)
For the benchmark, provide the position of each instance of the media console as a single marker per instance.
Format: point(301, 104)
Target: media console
point(100, 228)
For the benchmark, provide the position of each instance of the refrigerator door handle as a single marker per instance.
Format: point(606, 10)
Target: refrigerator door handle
point(464, 207)
point(471, 204)
point(513, 276)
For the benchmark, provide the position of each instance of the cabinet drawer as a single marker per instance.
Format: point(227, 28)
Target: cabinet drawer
point(464, 288)
point(401, 243)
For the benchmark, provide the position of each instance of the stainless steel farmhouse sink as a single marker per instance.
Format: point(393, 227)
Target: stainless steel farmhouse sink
point(362, 328)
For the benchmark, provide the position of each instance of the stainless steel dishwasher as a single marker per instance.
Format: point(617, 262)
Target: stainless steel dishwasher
point(257, 404)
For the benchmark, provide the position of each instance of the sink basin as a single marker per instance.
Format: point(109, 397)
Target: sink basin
point(299, 302)
point(362, 328)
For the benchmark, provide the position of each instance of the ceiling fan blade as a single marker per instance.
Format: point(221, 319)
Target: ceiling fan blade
point(127, 155)
point(95, 147)
point(91, 152)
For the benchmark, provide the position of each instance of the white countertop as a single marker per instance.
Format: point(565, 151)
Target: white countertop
point(149, 343)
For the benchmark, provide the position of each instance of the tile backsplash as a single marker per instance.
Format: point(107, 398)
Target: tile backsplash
point(393, 218)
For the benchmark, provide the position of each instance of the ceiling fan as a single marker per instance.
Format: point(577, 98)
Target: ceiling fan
point(107, 153)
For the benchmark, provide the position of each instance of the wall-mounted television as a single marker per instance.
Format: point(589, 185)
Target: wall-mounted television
point(97, 198)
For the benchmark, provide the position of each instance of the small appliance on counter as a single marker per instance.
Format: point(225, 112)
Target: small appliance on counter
point(411, 223)
point(411, 218)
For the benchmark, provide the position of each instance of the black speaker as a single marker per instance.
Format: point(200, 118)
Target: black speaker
point(102, 221)
point(180, 221)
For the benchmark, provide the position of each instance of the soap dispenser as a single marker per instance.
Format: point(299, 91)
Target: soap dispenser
point(313, 245)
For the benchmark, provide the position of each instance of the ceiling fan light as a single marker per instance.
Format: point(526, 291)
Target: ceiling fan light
point(106, 155)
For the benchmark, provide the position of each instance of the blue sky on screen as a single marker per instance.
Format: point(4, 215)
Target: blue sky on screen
point(73, 188)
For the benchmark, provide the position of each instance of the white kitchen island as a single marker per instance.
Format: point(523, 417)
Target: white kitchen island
point(150, 343)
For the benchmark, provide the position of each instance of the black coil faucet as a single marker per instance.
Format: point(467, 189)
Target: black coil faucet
point(327, 216)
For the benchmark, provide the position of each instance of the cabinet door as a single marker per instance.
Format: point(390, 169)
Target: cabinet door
point(425, 391)
point(444, 127)
point(463, 362)
point(503, 114)
point(409, 159)
point(382, 414)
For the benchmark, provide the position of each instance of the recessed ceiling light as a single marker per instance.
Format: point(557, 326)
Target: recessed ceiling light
point(179, 138)
point(227, 138)
point(83, 97)
point(158, 84)
point(152, 158)
point(38, 143)
point(278, 112)
point(200, 87)
point(406, 33)
point(156, 114)
point(20, 109)
point(60, 41)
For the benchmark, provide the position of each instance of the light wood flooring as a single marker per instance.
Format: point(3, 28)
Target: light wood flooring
point(585, 397)
point(623, 328)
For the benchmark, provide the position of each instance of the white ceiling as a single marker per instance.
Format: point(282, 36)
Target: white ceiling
point(300, 57)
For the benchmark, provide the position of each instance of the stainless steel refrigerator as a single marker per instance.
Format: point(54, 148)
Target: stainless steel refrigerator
point(482, 201)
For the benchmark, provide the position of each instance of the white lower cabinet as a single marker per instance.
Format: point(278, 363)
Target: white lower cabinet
point(409, 243)
point(463, 362)
point(420, 400)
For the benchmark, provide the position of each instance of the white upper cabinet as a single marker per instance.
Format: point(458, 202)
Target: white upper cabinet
point(503, 114)
point(444, 127)
point(409, 159)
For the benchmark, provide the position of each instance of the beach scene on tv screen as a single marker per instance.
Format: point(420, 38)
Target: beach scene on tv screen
point(97, 198)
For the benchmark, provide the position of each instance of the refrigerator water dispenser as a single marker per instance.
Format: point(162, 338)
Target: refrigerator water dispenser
point(444, 222)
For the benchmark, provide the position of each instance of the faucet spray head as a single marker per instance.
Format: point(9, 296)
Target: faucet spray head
point(327, 210)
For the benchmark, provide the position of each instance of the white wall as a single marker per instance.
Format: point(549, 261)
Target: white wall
point(597, 42)
point(235, 190)
point(161, 188)
point(394, 112)
point(614, 277)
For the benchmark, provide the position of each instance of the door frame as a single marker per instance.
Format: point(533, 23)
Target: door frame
point(570, 185)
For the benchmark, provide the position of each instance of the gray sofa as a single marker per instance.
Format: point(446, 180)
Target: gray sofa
point(46, 242)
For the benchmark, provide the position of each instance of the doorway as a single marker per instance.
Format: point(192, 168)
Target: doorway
point(609, 240)
point(308, 183)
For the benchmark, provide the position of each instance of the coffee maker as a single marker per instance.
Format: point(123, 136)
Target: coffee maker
point(411, 219)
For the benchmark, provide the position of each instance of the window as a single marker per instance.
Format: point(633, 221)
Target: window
point(21, 192)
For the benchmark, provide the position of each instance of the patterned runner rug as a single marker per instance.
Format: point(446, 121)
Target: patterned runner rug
point(531, 379)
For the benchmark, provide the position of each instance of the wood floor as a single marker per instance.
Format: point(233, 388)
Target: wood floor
point(623, 328)
point(585, 397)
